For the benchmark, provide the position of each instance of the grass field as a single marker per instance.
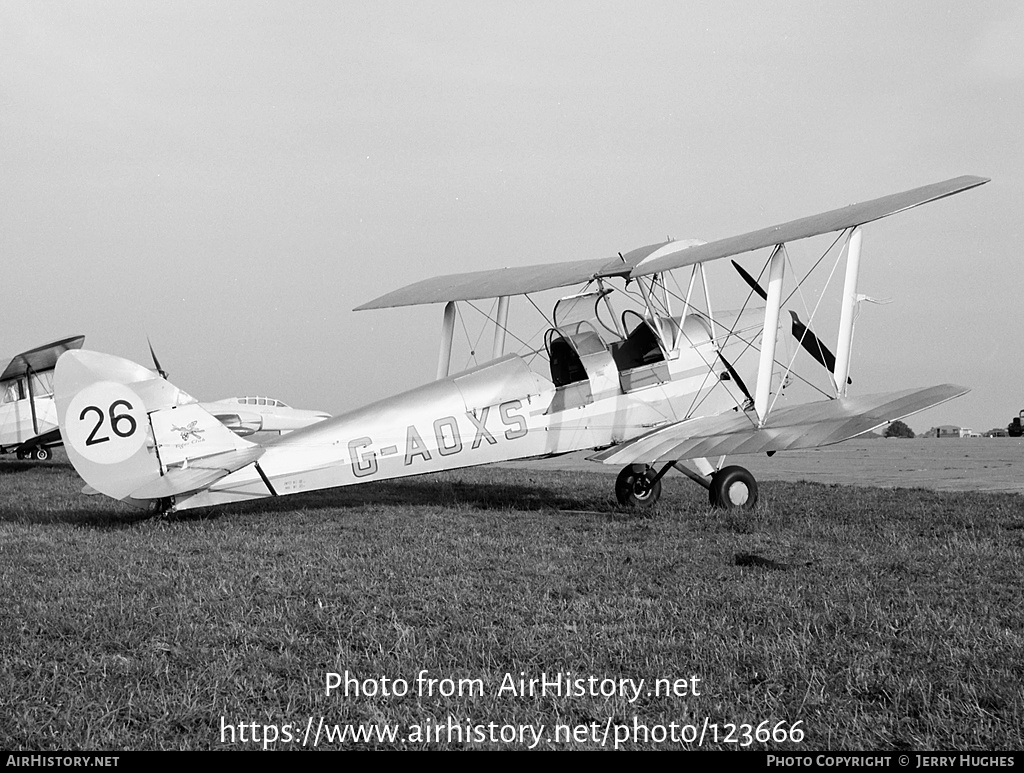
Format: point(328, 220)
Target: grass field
point(880, 619)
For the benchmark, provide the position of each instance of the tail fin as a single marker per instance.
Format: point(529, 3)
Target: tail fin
point(134, 436)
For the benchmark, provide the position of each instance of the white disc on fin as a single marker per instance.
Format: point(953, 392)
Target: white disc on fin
point(106, 423)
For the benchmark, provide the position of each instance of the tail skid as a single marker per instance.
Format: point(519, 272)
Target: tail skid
point(134, 436)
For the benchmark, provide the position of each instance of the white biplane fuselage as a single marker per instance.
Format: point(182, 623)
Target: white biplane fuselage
point(499, 411)
point(651, 391)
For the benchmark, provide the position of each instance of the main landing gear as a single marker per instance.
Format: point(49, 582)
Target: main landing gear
point(162, 507)
point(732, 487)
point(639, 486)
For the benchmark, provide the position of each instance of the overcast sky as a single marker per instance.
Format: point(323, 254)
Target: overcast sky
point(232, 178)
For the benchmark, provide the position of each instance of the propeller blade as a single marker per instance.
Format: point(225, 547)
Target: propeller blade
point(736, 377)
point(156, 362)
point(813, 345)
point(750, 281)
point(810, 342)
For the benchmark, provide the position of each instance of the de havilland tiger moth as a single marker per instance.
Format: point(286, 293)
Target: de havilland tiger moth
point(668, 384)
point(28, 413)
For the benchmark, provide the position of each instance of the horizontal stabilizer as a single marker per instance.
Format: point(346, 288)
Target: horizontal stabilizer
point(187, 433)
point(801, 426)
point(201, 474)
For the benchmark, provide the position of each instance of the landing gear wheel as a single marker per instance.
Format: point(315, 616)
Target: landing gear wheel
point(22, 454)
point(636, 486)
point(42, 454)
point(733, 487)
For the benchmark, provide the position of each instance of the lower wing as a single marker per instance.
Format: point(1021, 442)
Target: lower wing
point(802, 426)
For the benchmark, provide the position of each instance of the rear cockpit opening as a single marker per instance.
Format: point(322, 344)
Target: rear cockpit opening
point(567, 347)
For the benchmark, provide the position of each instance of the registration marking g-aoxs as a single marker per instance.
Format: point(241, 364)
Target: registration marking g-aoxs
point(447, 436)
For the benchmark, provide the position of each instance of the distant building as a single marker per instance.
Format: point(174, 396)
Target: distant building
point(968, 432)
point(943, 431)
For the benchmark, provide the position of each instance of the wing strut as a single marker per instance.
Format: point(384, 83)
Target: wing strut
point(652, 315)
point(444, 357)
point(32, 399)
point(770, 333)
point(844, 347)
point(499, 327)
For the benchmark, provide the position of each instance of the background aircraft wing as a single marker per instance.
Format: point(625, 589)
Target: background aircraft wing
point(50, 438)
point(41, 358)
point(826, 222)
point(810, 425)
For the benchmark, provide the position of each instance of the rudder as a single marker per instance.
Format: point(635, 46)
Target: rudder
point(131, 435)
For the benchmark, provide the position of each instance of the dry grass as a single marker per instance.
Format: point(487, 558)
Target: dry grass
point(896, 622)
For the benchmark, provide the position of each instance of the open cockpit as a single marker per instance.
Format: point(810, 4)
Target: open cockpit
point(593, 353)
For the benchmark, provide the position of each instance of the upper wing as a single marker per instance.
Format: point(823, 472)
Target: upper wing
point(801, 426)
point(656, 258)
point(41, 358)
point(490, 284)
point(826, 222)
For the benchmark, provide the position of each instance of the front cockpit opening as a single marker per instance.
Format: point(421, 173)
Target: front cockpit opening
point(640, 347)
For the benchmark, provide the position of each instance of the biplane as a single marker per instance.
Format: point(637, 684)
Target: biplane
point(670, 383)
point(28, 414)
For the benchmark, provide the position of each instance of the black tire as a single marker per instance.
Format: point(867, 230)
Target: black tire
point(733, 487)
point(42, 454)
point(22, 454)
point(636, 486)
